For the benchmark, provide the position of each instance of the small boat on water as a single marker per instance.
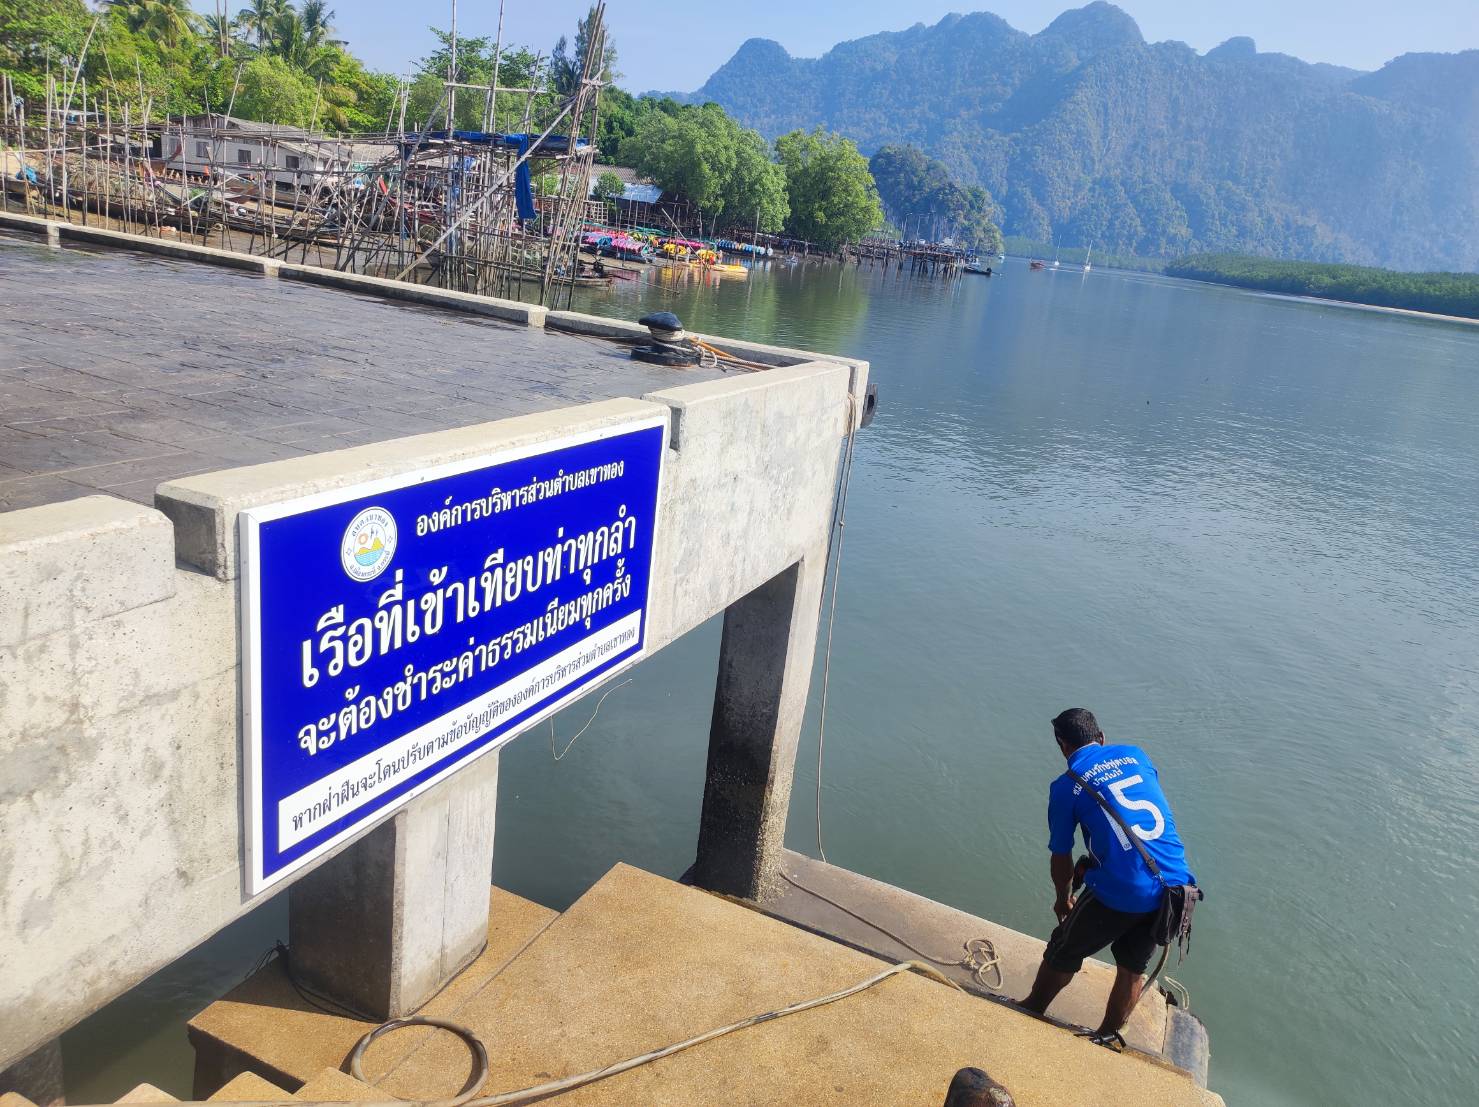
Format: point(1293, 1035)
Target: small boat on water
point(1087, 256)
point(1036, 264)
point(976, 265)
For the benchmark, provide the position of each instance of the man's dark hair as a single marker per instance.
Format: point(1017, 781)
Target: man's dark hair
point(1077, 727)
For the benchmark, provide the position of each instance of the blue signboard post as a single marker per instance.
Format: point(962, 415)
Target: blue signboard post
point(394, 631)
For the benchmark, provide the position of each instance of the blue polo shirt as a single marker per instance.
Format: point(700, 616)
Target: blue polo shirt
point(1125, 776)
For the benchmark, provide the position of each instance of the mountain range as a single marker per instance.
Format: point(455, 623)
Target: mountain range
point(1086, 134)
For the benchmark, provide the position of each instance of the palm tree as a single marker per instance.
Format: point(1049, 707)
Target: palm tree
point(222, 29)
point(167, 20)
point(302, 47)
point(261, 16)
point(318, 19)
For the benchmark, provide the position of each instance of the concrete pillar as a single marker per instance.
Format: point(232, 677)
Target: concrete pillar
point(53, 235)
point(765, 664)
point(383, 926)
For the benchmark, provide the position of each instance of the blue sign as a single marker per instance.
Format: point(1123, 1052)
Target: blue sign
point(394, 631)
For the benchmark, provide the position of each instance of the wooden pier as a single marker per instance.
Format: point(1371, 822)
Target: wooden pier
point(923, 259)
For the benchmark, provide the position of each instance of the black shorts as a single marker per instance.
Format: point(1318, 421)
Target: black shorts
point(1091, 926)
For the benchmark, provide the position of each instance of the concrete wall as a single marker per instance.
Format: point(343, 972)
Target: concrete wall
point(120, 843)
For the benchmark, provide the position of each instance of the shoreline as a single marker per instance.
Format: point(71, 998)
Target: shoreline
point(1433, 316)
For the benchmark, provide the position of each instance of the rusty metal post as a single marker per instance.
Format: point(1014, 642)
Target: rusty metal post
point(973, 1088)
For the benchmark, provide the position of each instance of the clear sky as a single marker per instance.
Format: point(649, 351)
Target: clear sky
point(671, 45)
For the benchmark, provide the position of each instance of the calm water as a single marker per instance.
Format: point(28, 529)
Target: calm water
point(1245, 531)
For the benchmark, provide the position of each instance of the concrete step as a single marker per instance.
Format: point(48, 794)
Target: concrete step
point(148, 1093)
point(247, 1087)
point(265, 1026)
point(333, 1086)
point(640, 962)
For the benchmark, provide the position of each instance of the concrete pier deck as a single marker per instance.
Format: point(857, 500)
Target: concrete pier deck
point(121, 370)
point(640, 962)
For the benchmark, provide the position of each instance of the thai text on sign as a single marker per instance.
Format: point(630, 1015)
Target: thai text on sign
point(394, 631)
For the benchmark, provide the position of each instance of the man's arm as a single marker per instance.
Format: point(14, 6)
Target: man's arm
point(1061, 868)
point(1061, 827)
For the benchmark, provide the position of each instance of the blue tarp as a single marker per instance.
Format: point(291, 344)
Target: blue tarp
point(523, 181)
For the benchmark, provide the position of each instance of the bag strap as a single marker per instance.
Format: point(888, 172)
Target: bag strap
point(1129, 831)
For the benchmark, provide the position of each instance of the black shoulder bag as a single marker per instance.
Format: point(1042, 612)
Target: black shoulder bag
point(1172, 922)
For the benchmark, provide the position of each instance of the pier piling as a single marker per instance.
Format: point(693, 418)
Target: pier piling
point(759, 704)
point(385, 924)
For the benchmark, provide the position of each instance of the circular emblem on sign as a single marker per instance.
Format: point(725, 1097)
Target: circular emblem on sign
point(369, 544)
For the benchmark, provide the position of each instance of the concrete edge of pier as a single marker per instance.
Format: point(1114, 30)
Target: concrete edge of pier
point(513, 311)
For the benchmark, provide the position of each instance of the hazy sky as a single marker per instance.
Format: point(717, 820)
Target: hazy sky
point(671, 45)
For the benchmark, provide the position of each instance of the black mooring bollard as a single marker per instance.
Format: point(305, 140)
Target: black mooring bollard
point(973, 1088)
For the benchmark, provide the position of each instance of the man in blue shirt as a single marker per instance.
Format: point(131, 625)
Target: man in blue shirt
point(1120, 894)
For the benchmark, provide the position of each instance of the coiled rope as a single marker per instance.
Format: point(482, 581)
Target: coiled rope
point(468, 1096)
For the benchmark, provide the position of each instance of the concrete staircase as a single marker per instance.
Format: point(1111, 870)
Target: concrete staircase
point(331, 1086)
point(328, 1086)
point(640, 962)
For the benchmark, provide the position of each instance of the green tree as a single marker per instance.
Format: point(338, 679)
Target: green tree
point(621, 115)
point(318, 20)
point(221, 29)
point(358, 99)
point(33, 31)
point(565, 64)
point(830, 191)
point(170, 21)
point(157, 52)
point(704, 155)
point(919, 192)
point(302, 45)
point(755, 193)
point(518, 67)
point(273, 92)
point(609, 187)
point(691, 154)
point(261, 16)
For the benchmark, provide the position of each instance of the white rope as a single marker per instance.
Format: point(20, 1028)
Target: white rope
point(980, 957)
point(554, 1087)
point(838, 525)
point(588, 722)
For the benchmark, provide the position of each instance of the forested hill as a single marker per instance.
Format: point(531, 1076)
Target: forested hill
point(1085, 133)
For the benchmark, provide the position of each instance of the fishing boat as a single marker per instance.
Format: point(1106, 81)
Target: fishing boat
point(976, 265)
point(1036, 264)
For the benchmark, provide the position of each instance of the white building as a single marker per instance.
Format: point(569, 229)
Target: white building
point(223, 144)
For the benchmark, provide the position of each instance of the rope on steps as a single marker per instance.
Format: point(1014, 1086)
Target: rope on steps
point(468, 1097)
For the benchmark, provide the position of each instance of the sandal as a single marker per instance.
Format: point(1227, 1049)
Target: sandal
point(1114, 1042)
